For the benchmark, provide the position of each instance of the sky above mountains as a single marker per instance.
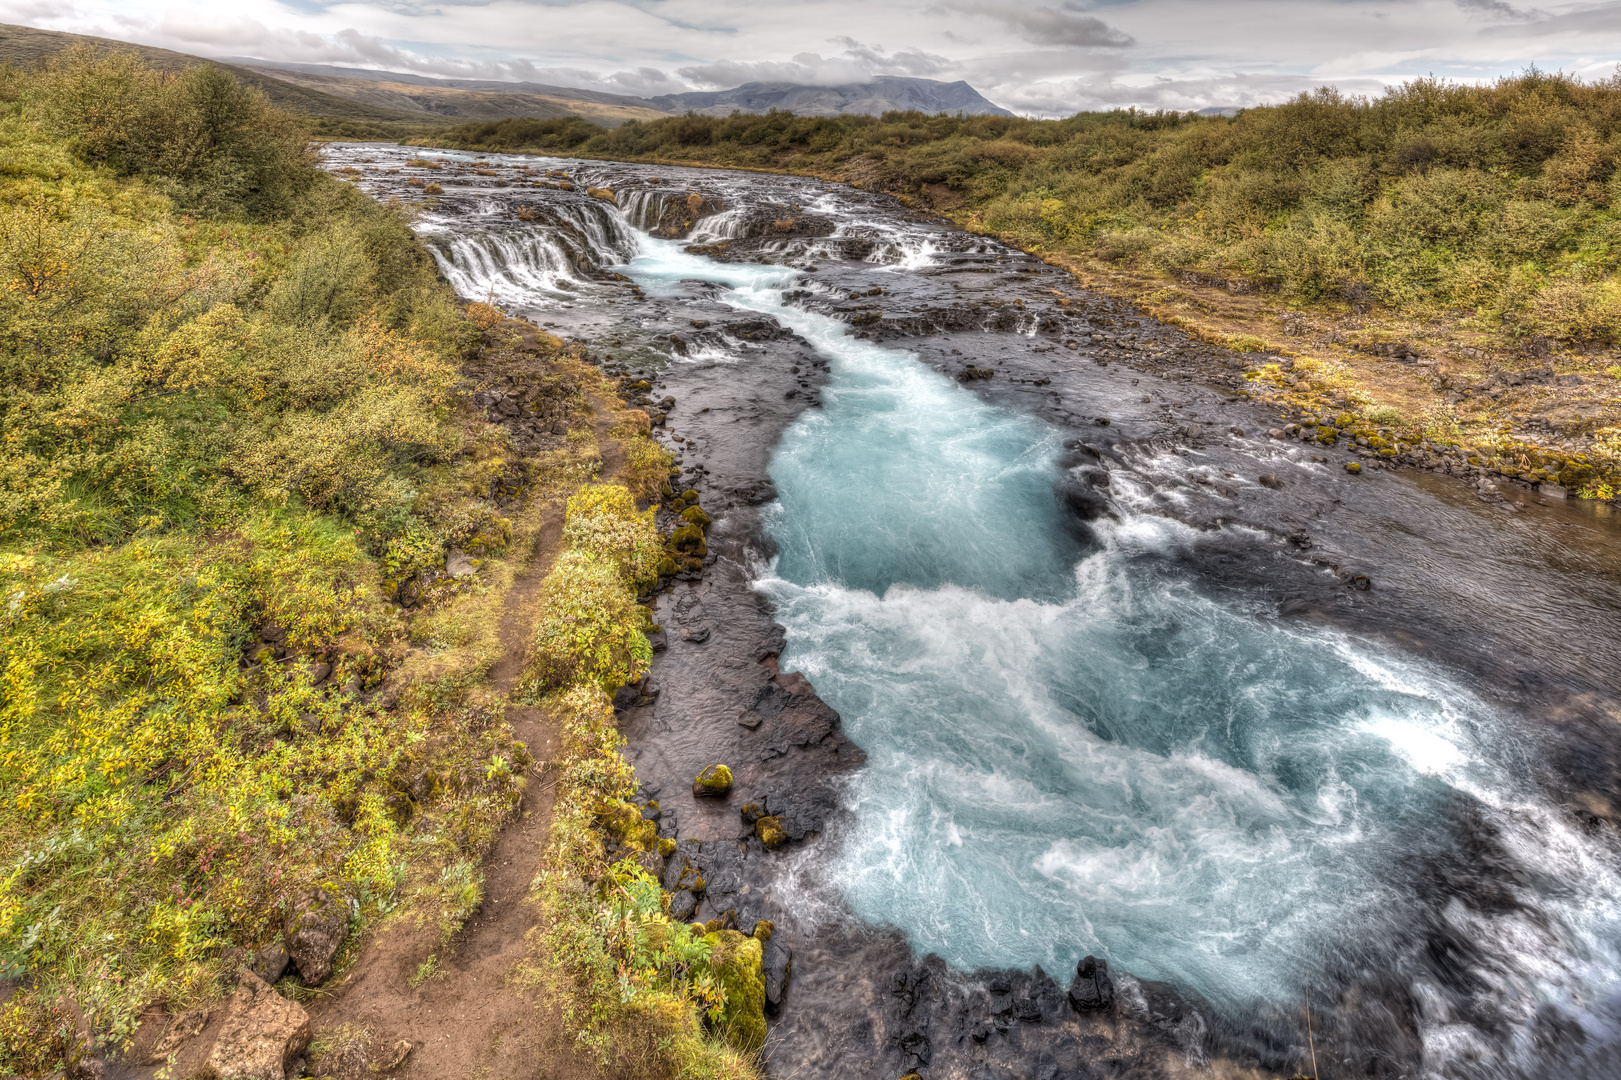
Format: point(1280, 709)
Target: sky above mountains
point(1036, 57)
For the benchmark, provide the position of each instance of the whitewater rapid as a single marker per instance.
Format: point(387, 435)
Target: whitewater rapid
point(1079, 744)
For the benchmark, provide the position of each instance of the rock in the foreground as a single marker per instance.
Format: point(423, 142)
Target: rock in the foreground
point(264, 1034)
point(315, 927)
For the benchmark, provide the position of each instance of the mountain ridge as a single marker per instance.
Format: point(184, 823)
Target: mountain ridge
point(876, 96)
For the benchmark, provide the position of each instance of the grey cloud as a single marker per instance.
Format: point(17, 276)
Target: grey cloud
point(1497, 10)
point(1602, 18)
point(1068, 24)
point(859, 63)
point(34, 11)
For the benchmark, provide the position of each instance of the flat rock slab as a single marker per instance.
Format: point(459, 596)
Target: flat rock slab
point(263, 1035)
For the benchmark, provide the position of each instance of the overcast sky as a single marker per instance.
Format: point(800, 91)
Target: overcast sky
point(1038, 57)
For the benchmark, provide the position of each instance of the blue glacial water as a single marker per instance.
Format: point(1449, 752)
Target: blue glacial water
point(1077, 750)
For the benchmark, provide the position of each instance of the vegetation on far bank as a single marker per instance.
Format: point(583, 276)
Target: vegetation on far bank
point(1480, 225)
point(1496, 199)
point(235, 670)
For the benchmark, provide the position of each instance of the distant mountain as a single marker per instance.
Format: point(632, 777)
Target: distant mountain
point(880, 95)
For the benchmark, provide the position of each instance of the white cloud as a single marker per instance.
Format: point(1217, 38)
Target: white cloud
point(1047, 57)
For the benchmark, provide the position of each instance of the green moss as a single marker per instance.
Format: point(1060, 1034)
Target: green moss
point(769, 830)
point(736, 961)
point(713, 782)
point(666, 847)
point(1353, 467)
point(691, 496)
point(690, 539)
point(694, 515)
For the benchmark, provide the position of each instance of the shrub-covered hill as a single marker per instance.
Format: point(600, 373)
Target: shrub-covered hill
point(261, 563)
point(1494, 200)
point(228, 421)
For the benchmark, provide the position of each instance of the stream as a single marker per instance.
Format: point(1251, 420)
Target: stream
point(1088, 665)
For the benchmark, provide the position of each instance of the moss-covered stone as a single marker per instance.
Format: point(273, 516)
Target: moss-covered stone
point(769, 830)
point(736, 961)
point(689, 538)
point(714, 782)
point(694, 515)
point(666, 847)
point(624, 822)
point(690, 495)
point(1353, 467)
point(764, 928)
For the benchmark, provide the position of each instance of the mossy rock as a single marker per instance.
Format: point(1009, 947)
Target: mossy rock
point(764, 928)
point(1327, 435)
point(690, 495)
point(689, 538)
point(667, 567)
point(714, 782)
point(694, 515)
point(1575, 474)
point(624, 822)
point(736, 961)
point(1353, 467)
point(666, 847)
point(769, 830)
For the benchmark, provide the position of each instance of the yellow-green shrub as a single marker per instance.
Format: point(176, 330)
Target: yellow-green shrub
point(602, 519)
point(589, 628)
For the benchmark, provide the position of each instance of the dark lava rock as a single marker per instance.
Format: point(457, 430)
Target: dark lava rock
point(681, 870)
point(270, 962)
point(1269, 480)
point(683, 905)
point(778, 964)
point(1092, 990)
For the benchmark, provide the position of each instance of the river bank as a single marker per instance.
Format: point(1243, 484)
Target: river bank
point(1144, 420)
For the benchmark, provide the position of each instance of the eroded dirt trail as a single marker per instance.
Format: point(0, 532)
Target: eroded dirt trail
point(471, 1017)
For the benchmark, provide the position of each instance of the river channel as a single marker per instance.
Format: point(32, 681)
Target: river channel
point(1044, 650)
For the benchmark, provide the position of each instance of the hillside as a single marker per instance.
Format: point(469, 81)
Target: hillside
point(873, 98)
point(437, 99)
point(24, 45)
point(374, 75)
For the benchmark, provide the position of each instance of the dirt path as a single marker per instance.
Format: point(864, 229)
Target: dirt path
point(468, 1020)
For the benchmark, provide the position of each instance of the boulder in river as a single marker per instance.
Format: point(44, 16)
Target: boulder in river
point(714, 782)
point(1092, 990)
